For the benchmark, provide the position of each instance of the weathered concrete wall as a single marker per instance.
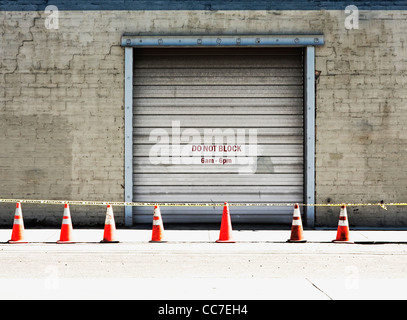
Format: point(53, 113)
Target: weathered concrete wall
point(62, 112)
point(361, 103)
point(62, 96)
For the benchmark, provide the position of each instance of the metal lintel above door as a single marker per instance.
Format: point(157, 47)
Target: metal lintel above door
point(223, 41)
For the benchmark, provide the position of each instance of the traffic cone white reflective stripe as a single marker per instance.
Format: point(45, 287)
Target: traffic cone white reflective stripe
point(110, 226)
point(18, 215)
point(157, 221)
point(342, 234)
point(297, 216)
point(109, 215)
point(158, 226)
point(66, 228)
point(343, 219)
point(296, 226)
point(17, 235)
point(66, 220)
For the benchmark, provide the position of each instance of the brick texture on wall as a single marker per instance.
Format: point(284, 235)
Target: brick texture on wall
point(62, 96)
point(361, 103)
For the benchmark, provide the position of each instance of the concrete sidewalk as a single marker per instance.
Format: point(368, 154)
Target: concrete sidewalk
point(260, 265)
point(244, 236)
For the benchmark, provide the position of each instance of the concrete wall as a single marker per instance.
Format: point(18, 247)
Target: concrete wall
point(62, 96)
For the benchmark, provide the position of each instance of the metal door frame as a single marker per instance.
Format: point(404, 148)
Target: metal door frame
point(307, 41)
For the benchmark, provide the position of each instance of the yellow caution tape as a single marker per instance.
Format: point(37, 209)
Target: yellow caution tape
point(186, 204)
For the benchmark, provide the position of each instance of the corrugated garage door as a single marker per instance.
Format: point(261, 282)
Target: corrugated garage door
point(215, 125)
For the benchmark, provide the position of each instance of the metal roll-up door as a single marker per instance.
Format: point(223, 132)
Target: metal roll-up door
point(195, 106)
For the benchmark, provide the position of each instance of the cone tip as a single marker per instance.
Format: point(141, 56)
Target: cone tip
point(66, 205)
point(296, 206)
point(343, 206)
point(108, 205)
point(18, 205)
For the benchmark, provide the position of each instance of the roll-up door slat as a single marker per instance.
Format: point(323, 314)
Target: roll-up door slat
point(218, 61)
point(173, 91)
point(220, 121)
point(216, 179)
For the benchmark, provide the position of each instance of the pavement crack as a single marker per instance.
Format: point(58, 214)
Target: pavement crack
point(318, 288)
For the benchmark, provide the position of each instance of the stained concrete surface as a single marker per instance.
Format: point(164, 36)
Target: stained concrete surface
point(260, 265)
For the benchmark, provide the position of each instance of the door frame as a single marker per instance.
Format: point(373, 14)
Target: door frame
point(307, 41)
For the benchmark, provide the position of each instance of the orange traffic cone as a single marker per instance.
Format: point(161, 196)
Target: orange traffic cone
point(158, 227)
point(225, 235)
point(66, 228)
point(17, 235)
point(110, 227)
point(342, 235)
point(296, 227)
